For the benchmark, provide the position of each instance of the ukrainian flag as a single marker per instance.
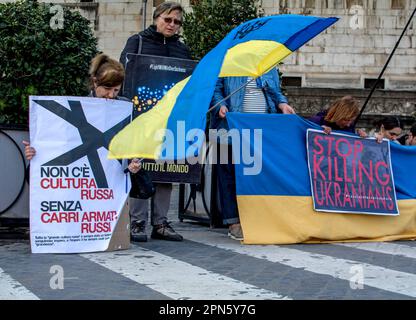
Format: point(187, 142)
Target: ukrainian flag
point(251, 49)
point(276, 205)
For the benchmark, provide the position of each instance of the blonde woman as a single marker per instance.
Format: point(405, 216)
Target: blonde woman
point(340, 116)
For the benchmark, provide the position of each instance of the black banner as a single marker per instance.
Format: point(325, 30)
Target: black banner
point(162, 171)
point(147, 80)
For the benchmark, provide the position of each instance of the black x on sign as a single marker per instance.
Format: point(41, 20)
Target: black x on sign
point(92, 138)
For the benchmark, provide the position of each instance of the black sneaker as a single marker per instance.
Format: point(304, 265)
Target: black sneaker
point(138, 231)
point(165, 232)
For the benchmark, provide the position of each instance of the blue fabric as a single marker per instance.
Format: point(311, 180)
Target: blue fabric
point(284, 159)
point(193, 101)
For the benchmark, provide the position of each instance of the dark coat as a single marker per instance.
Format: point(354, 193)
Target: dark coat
point(155, 43)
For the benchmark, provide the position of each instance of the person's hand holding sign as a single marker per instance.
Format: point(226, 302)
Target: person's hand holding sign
point(361, 133)
point(222, 112)
point(135, 165)
point(286, 109)
point(327, 129)
point(30, 152)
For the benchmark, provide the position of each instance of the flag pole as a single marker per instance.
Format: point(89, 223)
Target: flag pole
point(384, 68)
point(239, 88)
point(233, 92)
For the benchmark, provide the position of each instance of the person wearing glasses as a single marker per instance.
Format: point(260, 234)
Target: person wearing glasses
point(160, 39)
point(411, 137)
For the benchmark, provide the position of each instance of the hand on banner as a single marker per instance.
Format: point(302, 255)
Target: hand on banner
point(30, 152)
point(222, 112)
point(135, 165)
point(286, 109)
point(379, 136)
point(327, 130)
point(362, 133)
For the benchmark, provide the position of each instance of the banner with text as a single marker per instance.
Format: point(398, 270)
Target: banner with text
point(76, 193)
point(147, 80)
point(350, 174)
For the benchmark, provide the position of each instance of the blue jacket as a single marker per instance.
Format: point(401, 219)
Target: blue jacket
point(269, 82)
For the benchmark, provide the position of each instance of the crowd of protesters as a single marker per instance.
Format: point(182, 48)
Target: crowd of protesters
point(261, 95)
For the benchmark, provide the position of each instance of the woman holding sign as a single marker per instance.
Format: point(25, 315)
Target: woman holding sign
point(106, 77)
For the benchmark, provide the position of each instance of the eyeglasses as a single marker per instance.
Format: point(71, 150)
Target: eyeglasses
point(169, 20)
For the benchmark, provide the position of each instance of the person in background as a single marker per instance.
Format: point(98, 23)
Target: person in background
point(261, 95)
point(389, 128)
point(411, 138)
point(340, 116)
point(160, 39)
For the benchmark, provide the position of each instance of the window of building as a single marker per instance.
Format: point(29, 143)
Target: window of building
point(369, 83)
point(398, 4)
point(291, 81)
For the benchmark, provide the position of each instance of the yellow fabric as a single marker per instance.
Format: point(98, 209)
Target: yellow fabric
point(127, 143)
point(289, 219)
point(252, 58)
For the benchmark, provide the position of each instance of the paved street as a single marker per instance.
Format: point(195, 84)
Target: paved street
point(208, 265)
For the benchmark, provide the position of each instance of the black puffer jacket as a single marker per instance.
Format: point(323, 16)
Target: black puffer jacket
point(155, 43)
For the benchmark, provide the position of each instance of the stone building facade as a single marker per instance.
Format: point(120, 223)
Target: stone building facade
point(344, 59)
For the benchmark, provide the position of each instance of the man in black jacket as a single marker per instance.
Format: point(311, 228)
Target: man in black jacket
point(160, 39)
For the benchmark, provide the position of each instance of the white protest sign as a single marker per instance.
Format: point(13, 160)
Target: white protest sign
point(76, 193)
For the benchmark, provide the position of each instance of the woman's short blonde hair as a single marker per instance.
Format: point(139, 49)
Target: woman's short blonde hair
point(345, 108)
point(167, 7)
point(105, 71)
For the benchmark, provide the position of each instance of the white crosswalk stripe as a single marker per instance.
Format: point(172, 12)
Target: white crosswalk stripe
point(384, 247)
point(374, 276)
point(11, 289)
point(177, 279)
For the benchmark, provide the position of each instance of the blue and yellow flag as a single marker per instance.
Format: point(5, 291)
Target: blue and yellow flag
point(250, 49)
point(276, 207)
